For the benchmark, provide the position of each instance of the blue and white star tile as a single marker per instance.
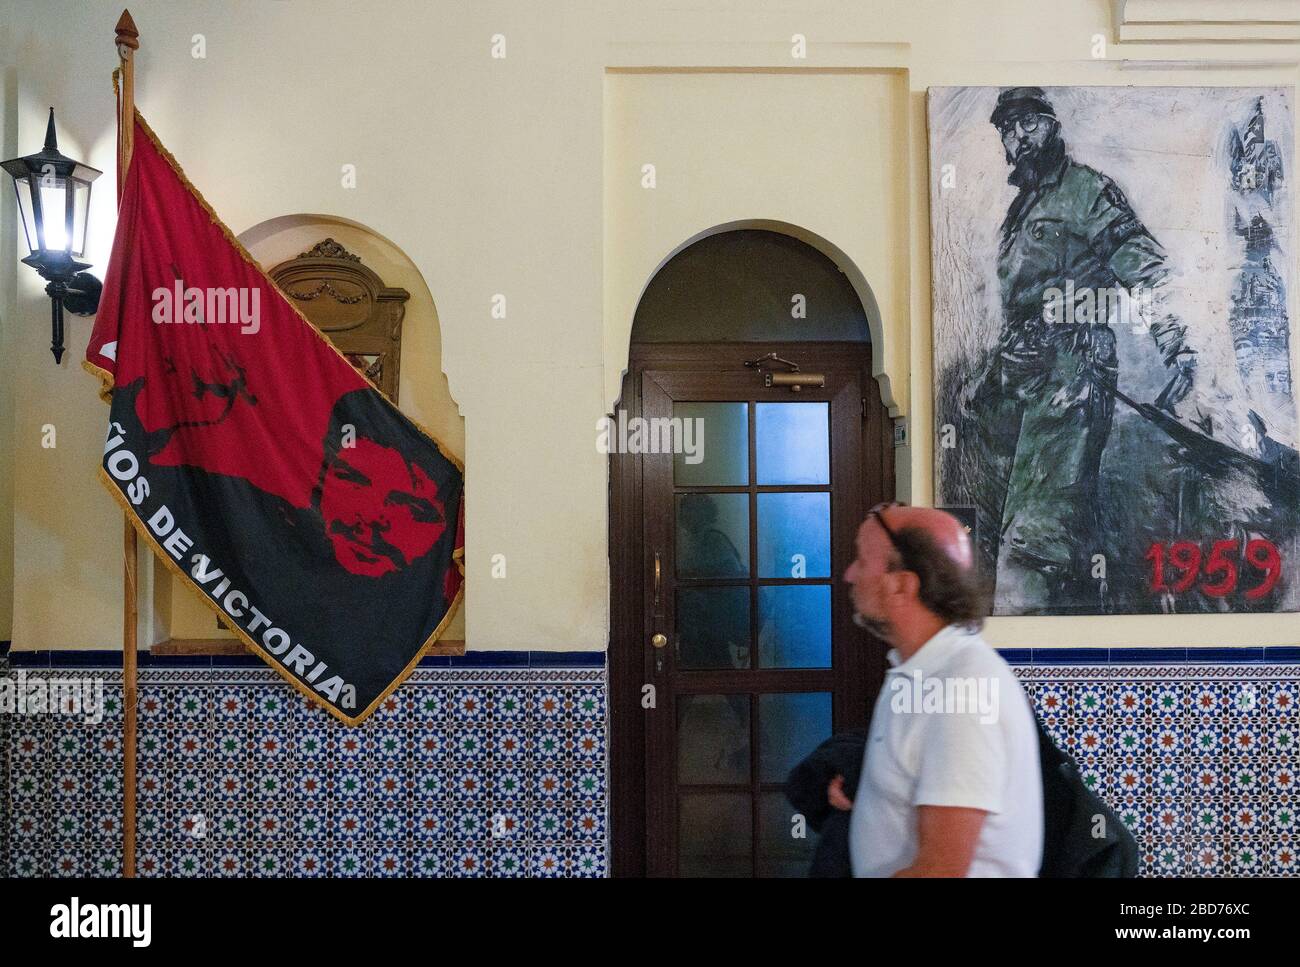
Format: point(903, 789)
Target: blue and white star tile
point(509, 705)
point(547, 825)
point(506, 821)
point(429, 706)
point(389, 823)
point(589, 782)
point(466, 782)
point(589, 704)
point(511, 861)
point(509, 783)
point(548, 704)
point(548, 861)
point(26, 864)
point(508, 745)
point(428, 822)
point(189, 863)
point(349, 862)
point(427, 861)
point(270, 860)
point(308, 861)
point(389, 745)
point(465, 821)
point(428, 783)
point(349, 825)
point(229, 822)
point(68, 861)
point(1283, 859)
point(469, 744)
point(390, 784)
point(469, 705)
point(390, 862)
point(105, 862)
point(467, 859)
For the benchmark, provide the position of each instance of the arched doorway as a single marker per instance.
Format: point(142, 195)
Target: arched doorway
point(748, 442)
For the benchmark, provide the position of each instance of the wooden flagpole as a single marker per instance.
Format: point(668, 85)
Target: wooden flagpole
point(127, 43)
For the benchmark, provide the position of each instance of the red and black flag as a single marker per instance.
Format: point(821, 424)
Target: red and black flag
point(323, 526)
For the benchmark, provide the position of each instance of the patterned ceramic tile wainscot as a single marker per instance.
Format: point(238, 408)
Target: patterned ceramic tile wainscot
point(1196, 757)
point(462, 772)
point(501, 771)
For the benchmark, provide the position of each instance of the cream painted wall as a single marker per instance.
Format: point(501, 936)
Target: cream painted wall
point(521, 177)
point(840, 183)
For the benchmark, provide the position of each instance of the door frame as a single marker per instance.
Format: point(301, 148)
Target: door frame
point(629, 824)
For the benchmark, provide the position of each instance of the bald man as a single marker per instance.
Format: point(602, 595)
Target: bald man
point(950, 781)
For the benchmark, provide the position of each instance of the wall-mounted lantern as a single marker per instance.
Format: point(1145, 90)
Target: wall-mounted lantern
point(54, 208)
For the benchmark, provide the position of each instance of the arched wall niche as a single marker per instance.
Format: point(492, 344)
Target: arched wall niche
point(423, 395)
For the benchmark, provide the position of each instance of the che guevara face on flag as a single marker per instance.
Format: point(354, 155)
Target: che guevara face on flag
point(378, 508)
point(380, 511)
point(311, 514)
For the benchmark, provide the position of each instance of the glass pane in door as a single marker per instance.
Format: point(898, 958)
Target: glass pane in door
point(794, 535)
point(790, 725)
point(714, 834)
point(713, 739)
point(713, 628)
point(792, 443)
point(712, 535)
point(794, 626)
point(781, 850)
point(714, 445)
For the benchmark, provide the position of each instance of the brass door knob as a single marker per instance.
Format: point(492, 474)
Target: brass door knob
point(659, 640)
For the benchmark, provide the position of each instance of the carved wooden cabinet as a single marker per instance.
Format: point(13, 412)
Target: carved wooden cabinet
point(350, 304)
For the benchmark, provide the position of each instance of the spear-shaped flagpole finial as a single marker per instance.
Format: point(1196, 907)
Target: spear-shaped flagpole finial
point(127, 35)
point(128, 42)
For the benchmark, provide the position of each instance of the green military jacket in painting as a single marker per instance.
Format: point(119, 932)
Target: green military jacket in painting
point(1075, 227)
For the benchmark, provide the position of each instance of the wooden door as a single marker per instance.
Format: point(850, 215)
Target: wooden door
point(741, 633)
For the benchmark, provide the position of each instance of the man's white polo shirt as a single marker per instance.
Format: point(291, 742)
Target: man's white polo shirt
point(951, 727)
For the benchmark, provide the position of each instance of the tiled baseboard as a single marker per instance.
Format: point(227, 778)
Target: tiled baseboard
point(501, 770)
point(462, 772)
point(1197, 757)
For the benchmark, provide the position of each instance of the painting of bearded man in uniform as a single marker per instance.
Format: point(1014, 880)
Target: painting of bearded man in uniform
point(1114, 409)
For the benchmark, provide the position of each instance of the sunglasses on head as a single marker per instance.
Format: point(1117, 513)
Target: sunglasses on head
point(878, 512)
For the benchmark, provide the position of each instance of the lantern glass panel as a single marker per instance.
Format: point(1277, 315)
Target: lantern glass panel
point(80, 214)
point(54, 216)
point(23, 188)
